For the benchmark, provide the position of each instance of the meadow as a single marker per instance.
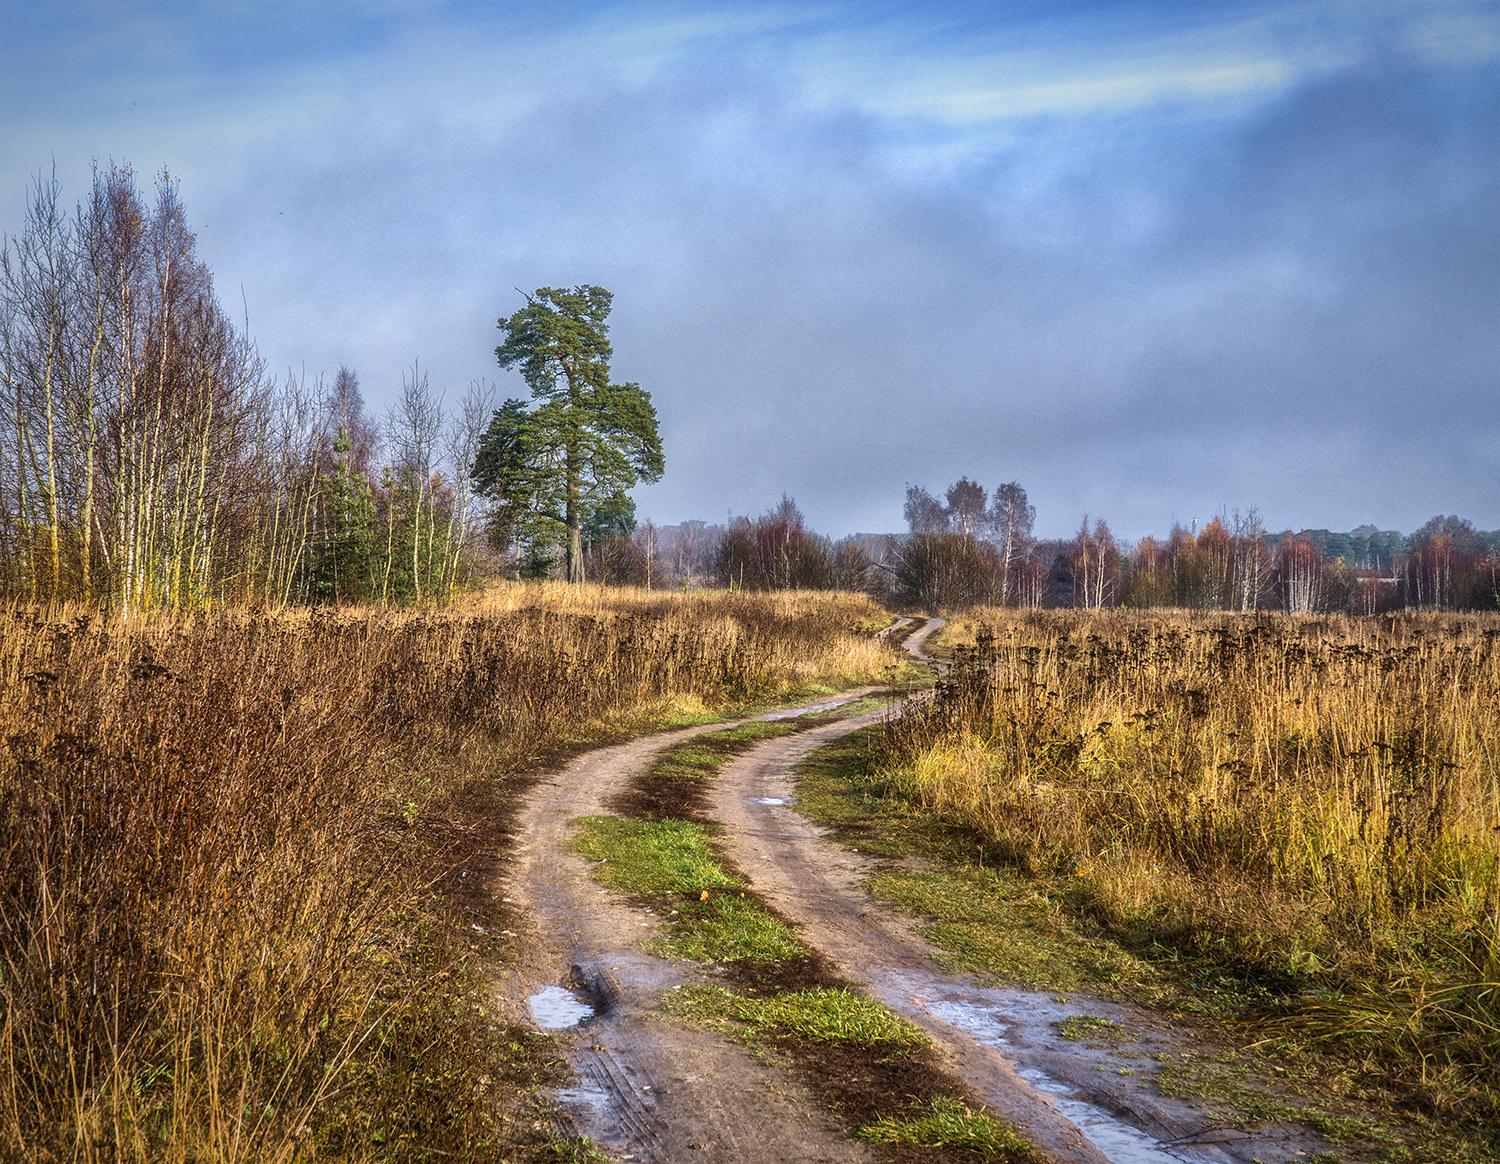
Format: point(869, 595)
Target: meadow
point(226, 931)
point(1308, 807)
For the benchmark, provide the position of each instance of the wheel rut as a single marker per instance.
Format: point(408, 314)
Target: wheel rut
point(648, 1089)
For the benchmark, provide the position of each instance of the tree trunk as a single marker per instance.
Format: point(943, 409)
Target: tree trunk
point(574, 515)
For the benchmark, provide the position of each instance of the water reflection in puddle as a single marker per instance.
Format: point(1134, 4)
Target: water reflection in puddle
point(773, 800)
point(1120, 1142)
point(814, 709)
point(556, 1008)
point(585, 1094)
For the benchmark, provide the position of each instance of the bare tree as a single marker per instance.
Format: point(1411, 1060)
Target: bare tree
point(412, 428)
point(924, 513)
point(1097, 575)
point(1250, 580)
point(462, 447)
point(37, 276)
point(126, 390)
point(346, 410)
point(966, 507)
point(1011, 519)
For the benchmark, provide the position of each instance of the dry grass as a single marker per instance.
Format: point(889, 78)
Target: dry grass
point(219, 938)
point(1313, 802)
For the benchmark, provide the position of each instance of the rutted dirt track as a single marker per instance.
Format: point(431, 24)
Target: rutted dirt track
point(653, 1089)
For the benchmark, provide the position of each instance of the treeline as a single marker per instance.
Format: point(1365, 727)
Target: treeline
point(969, 548)
point(775, 551)
point(148, 461)
point(965, 550)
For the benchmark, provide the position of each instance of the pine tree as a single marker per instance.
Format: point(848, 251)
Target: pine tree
point(342, 557)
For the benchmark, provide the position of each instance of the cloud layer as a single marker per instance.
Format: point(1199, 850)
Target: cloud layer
point(1151, 269)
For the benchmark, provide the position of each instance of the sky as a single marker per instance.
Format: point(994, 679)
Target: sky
point(1155, 261)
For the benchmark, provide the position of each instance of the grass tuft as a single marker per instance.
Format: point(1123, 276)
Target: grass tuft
point(1090, 1028)
point(665, 857)
point(831, 1015)
point(947, 1123)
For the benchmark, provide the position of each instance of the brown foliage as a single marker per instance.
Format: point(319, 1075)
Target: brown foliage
point(1315, 802)
point(217, 939)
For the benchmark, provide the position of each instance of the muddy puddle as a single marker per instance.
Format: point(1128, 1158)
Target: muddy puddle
point(587, 1100)
point(773, 800)
point(1120, 1142)
point(556, 1008)
point(1097, 1063)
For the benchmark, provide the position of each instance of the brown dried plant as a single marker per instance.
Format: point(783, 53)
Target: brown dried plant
point(218, 939)
point(1312, 801)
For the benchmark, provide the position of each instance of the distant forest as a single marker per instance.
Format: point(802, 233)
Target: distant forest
point(148, 460)
point(968, 549)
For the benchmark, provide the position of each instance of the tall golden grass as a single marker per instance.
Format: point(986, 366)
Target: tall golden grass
point(217, 936)
point(1314, 800)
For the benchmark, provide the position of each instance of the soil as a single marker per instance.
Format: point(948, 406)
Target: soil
point(651, 1088)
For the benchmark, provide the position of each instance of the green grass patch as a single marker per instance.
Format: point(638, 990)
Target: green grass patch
point(672, 864)
point(1090, 1028)
point(947, 1123)
point(1244, 1104)
point(651, 858)
point(837, 1016)
point(728, 929)
point(822, 1015)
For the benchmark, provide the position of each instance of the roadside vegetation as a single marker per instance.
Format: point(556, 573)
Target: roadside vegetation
point(1292, 824)
point(872, 1069)
point(231, 926)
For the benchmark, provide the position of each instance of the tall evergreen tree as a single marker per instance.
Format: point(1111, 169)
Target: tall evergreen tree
point(554, 461)
point(342, 558)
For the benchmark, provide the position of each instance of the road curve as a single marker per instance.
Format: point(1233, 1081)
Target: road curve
point(651, 1089)
point(648, 1089)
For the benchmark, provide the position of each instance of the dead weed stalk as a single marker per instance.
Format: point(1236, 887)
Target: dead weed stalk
point(218, 936)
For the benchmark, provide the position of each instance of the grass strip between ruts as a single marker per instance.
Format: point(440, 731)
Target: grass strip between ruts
point(872, 1069)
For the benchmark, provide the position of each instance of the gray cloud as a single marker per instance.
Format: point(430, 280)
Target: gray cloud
point(1146, 312)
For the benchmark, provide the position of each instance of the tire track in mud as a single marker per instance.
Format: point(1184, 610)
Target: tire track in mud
point(649, 1089)
point(1073, 1102)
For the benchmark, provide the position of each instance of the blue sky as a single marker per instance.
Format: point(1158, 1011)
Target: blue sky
point(1154, 261)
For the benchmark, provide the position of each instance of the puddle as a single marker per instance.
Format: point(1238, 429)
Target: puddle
point(556, 1008)
point(811, 709)
point(586, 1094)
point(1120, 1142)
point(773, 800)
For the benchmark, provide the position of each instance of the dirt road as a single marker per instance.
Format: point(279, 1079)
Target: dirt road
point(652, 1089)
point(648, 1089)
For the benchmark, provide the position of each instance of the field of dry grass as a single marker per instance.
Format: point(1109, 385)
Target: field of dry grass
point(1311, 802)
point(219, 938)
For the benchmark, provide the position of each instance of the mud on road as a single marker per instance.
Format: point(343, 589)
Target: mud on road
point(651, 1088)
